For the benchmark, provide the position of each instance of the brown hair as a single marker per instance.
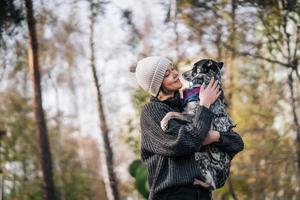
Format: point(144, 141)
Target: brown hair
point(163, 93)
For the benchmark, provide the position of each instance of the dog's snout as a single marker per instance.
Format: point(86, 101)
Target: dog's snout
point(187, 75)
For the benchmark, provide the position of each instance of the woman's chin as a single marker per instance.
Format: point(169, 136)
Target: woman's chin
point(179, 85)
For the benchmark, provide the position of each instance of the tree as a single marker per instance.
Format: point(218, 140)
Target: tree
point(279, 43)
point(113, 184)
point(20, 163)
point(275, 25)
point(18, 149)
point(46, 160)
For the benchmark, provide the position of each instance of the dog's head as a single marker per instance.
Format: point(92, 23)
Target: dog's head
point(203, 71)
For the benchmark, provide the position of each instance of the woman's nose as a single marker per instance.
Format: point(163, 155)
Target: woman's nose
point(175, 73)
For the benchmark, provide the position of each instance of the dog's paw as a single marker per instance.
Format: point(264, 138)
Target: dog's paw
point(201, 183)
point(171, 115)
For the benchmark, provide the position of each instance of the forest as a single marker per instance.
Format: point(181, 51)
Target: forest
point(70, 108)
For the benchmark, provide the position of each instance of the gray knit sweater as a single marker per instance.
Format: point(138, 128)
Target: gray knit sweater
point(169, 156)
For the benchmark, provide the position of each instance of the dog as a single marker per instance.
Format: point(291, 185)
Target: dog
point(213, 163)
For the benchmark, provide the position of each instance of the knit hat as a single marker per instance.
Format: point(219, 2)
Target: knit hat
point(150, 73)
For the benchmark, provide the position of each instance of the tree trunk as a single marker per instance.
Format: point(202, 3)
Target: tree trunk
point(230, 71)
point(58, 148)
point(173, 17)
point(295, 117)
point(33, 59)
point(231, 68)
point(2, 186)
point(102, 118)
point(292, 60)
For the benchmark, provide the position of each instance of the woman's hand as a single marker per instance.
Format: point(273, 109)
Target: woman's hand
point(210, 94)
point(212, 136)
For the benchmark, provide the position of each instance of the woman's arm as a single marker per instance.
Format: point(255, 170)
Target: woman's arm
point(230, 142)
point(181, 138)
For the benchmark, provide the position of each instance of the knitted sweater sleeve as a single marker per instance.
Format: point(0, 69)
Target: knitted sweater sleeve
point(181, 139)
point(230, 142)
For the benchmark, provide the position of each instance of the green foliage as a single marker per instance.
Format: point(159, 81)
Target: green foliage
point(130, 136)
point(11, 16)
point(267, 164)
point(260, 171)
point(139, 172)
point(136, 168)
point(19, 156)
point(18, 161)
point(140, 98)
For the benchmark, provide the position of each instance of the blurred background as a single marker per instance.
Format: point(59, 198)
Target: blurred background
point(69, 107)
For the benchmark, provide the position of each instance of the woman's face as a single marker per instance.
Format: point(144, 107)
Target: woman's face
point(171, 81)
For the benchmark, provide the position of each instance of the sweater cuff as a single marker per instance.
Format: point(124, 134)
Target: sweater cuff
point(223, 141)
point(220, 142)
point(202, 120)
point(204, 115)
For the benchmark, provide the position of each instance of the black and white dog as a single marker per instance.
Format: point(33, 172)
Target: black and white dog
point(213, 163)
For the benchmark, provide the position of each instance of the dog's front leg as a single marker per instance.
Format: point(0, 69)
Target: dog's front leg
point(171, 115)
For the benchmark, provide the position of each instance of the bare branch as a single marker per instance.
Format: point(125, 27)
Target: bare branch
point(258, 57)
point(269, 33)
point(288, 35)
point(297, 42)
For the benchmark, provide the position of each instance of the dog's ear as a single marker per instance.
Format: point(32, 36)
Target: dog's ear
point(188, 75)
point(201, 63)
point(220, 65)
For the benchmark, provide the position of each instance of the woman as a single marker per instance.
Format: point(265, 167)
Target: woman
point(169, 156)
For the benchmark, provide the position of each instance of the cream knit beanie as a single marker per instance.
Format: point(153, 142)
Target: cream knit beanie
point(150, 73)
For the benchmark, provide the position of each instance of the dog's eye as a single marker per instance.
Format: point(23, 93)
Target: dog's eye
point(215, 68)
point(205, 70)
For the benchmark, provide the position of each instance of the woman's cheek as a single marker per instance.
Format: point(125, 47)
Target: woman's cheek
point(180, 84)
point(167, 83)
point(177, 85)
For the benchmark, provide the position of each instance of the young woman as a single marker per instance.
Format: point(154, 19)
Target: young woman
point(169, 156)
